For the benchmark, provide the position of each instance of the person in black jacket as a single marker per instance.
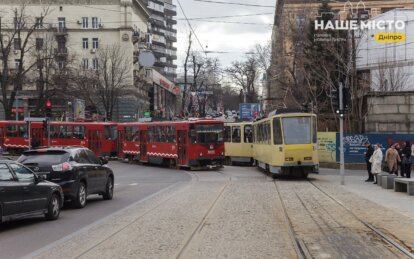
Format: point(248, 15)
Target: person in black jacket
point(368, 154)
point(406, 163)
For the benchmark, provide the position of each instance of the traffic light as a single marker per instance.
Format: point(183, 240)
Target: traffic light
point(48, 109)
point(335, 99)
point(346, 98)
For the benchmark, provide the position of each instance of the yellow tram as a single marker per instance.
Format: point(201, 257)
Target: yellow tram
point(238, 142)
point(286, 144)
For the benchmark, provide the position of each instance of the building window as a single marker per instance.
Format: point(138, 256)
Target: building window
point(39, 43)
point(61, 65)
point(85, 63)
point(17, 23)
point(95, 43)
point(95, 24)
point(85, 22)
point(95, 63)
point(17, 63)
point(85, 43)
point(61, 23)
point(39, 22)
point(17, 43)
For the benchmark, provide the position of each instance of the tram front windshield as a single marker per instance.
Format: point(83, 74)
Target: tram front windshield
point(297, 130)
point(207, 134)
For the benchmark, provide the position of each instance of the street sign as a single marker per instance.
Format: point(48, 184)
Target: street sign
point(249, 111)
point(147, 114)
point(34, 119)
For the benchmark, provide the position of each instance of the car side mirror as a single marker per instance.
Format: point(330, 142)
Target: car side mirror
point(40, 178)
point(103, 160)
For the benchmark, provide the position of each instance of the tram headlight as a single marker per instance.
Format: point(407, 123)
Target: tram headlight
point(201, 154)
point(307, 158)
point(288, 159)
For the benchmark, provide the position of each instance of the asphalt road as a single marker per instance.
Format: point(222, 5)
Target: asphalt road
point(132, 183)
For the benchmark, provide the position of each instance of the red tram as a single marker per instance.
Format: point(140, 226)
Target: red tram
point(99, 137)
point(197, 143)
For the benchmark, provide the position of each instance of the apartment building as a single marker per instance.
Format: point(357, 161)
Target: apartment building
point(78, 30)
point(164, 35)
point(291, 14)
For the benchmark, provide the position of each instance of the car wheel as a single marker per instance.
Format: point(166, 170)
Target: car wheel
point(53, 209)
point(80, 200)
point(109, 191)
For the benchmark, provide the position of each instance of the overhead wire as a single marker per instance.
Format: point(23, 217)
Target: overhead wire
point(234, 3)
point(191, 27)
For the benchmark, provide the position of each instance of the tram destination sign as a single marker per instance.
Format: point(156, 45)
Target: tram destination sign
point(249, 111)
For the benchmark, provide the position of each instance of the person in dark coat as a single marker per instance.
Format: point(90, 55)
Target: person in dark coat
point(368, 154)
point(406, 163)
point(399, 150)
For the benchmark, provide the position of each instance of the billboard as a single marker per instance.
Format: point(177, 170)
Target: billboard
point(249, 111)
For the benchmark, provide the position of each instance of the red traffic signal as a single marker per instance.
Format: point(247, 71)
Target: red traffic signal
point(48, 104)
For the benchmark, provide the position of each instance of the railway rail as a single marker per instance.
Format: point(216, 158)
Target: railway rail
point(392, 246)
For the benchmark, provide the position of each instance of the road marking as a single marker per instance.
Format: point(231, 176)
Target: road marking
point(133, 184)
point(116, 184)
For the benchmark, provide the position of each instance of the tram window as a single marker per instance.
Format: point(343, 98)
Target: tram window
point(314, 130)
point(79, 132)
point(23, 131)
point(171, 134)
point(150, 134)
point(127, 133)
point(227, 134)
point(108, 133)
point(248, 134)
point(54, 132)
point(11, 131)
point(135, 134)
point(297, 130)
point(277, 132)
point(235, 136)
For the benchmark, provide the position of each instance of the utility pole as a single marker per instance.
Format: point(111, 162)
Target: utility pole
point(341, 134)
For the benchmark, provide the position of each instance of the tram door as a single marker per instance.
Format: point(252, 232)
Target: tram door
point(95, 138)
point(120, 143)
point(182, 146)
point(143, 136)
point(1, 137)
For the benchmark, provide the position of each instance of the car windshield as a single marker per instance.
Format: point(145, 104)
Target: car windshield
point(297, 130)
point(207, 134)
point(44, 158)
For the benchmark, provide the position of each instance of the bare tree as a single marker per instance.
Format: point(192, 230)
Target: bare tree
point(390, 77)
point(187, 56)
point(16, 34)
point(245, 75)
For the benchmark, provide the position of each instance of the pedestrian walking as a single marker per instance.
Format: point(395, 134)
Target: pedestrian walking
point(406, 160)
point(376, 160)
point(368, 154)
point(392, 158)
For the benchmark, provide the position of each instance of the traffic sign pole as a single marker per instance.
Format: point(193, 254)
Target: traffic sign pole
point(341, 135)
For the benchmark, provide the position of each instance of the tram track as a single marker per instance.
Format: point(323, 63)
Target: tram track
point(200, 226)
point(409, 252)
point(338, 233)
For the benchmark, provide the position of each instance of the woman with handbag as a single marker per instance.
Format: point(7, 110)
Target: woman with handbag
point(376, 160)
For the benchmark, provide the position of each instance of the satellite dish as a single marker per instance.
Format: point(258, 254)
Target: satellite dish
point(146, 58)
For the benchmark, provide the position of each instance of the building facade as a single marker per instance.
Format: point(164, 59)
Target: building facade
point(76, 32)
point(163, 36)
point(291, 17)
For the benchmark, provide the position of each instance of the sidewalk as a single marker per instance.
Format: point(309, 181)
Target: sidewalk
point(355, 182)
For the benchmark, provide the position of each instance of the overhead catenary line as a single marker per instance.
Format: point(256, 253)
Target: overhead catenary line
point(233, 3)
point(191, 27)
point(226, 16)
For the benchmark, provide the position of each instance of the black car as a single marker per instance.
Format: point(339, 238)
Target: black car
point(25, 194)
point(76, 169)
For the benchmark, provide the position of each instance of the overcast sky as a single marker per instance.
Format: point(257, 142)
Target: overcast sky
point(234, 38)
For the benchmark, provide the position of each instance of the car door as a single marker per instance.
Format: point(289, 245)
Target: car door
point(88, 169)
point(100, 170)
point(11, 197)
point(34, 195)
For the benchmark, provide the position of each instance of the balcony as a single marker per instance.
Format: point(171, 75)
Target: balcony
point(60, 31)
point(158, 51)
point(170, 9)
point(61, 52)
